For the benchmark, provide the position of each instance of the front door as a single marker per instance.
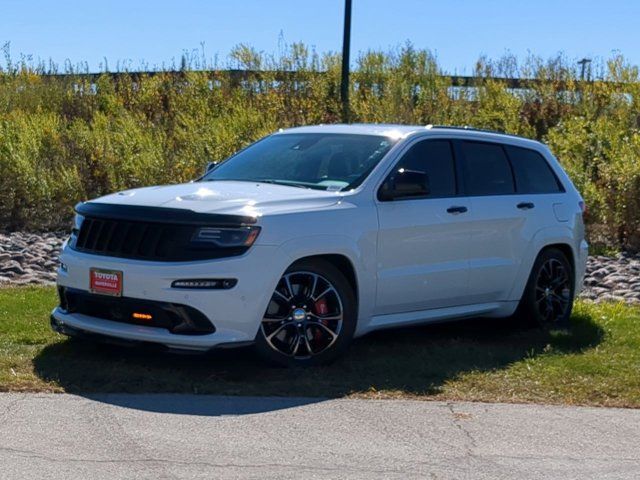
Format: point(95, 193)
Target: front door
point(423, 239)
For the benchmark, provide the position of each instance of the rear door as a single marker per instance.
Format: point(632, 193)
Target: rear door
point(423, 242)
point(511, 190)
point(496, 232)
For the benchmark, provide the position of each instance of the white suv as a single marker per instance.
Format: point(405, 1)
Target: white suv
point(315, 235)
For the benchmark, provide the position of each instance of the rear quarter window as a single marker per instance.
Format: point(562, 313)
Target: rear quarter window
point(532, 171)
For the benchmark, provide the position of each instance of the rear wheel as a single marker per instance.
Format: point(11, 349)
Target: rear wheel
point(311, 317)
point(548, 297)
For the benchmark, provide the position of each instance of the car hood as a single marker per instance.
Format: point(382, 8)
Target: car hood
point(227, 197)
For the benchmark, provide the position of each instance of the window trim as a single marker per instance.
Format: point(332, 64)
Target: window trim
point(456, 171)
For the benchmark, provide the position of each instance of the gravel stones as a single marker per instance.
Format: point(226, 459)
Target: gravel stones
point(32, 259)
point(613, 278)
point(29, 258)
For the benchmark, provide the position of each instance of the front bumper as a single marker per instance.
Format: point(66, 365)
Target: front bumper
point(82, 326)
point(236, 313)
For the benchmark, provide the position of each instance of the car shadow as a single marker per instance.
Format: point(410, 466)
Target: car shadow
point(412, 361)
point(200, 405)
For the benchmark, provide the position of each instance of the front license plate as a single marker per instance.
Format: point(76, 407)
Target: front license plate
point(105, 282)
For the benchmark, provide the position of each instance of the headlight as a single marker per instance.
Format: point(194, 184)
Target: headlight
point(226, 237)
point(75, 230)
point(77, 223)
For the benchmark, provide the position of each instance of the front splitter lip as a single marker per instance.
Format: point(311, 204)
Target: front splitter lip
point(129, 334)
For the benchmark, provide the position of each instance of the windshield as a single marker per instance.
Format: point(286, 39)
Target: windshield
point(308, 160)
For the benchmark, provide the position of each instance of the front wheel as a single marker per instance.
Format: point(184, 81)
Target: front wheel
point(548, 297)
point(311, 317)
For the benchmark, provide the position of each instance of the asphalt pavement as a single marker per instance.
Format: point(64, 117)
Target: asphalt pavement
point(186, 436)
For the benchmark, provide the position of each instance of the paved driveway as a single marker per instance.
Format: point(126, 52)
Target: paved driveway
point(183, 436)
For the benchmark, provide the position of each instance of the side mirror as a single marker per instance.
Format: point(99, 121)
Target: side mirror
point(210, 166)
point(405, 184)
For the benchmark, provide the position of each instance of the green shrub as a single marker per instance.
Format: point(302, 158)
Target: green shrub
point(73, 137)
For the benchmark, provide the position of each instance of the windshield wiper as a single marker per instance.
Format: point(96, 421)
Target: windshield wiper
point(287, 183)
point(222, 180)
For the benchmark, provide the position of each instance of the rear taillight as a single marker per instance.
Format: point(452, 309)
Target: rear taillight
point(583, 207)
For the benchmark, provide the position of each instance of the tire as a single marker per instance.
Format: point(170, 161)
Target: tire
point(311, 317)
point(548, 297)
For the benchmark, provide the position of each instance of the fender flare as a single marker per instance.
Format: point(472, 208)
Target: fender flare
point(365, 271)
point(543, 238)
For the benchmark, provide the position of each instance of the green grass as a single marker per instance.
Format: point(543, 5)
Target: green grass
point(598, 363)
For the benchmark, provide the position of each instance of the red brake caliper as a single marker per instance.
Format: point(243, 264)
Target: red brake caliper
point(321, 308)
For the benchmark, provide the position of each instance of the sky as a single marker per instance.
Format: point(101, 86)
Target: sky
point(457, 32)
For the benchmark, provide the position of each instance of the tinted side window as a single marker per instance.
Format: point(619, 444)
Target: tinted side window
point(435, 158)
point(486, 169)
point(533, 173)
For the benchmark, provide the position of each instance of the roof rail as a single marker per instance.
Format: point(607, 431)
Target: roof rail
point(473, 129)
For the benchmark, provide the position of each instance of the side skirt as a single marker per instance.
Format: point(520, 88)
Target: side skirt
point(494, 309)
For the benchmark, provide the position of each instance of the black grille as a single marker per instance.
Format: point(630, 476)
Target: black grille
point(146, 240)
point(177, 318)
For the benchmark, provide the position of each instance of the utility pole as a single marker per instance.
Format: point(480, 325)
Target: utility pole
point(346, 42)
point(583, 65)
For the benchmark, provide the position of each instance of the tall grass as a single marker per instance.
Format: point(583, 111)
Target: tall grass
point(73, 137)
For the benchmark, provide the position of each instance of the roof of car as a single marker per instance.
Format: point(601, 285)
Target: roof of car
point(402, 131)
point(383, 129)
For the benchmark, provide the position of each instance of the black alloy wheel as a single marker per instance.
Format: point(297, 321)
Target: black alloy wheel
point(548, 297)
point(310, 318)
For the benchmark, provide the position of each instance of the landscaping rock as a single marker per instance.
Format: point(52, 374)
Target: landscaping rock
point(32, 258)
point(29, 258)
point(613, 278)
point(12, 266)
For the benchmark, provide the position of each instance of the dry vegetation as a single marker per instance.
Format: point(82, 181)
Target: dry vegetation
point(73, 137)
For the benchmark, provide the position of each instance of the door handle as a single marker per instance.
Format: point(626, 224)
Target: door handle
point(455, 210)
point(525, 205)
